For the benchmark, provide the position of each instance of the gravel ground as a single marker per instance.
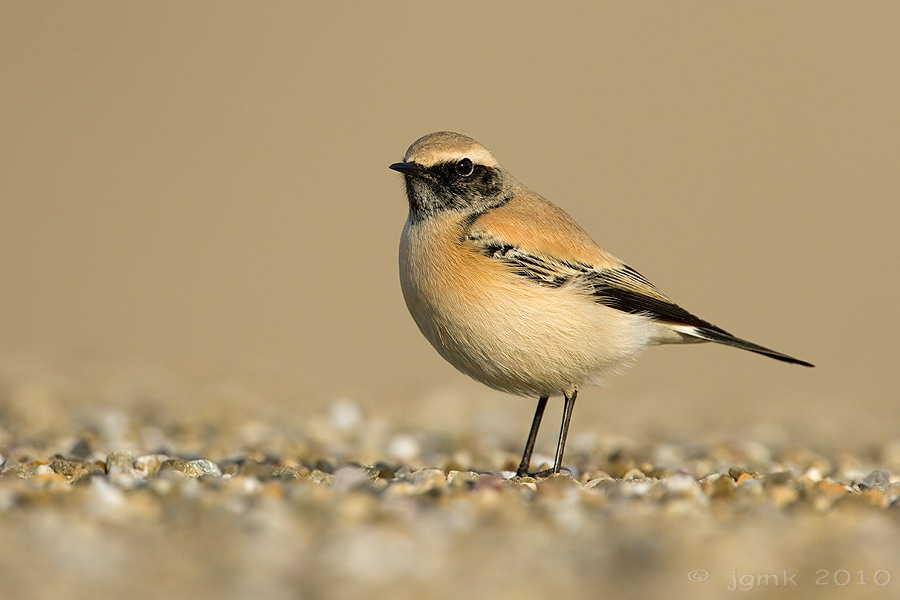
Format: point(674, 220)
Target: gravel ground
point(125, 503)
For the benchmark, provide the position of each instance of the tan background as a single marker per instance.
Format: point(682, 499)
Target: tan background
point(203, 188)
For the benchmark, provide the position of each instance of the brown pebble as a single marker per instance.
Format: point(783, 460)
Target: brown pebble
point(862, 500)
point(737, 473)
point(633, 474)
point(74, 470)
point(461, 479)
point(743, 477)
point(722, 488)
point(429, 480)
point(782, 495)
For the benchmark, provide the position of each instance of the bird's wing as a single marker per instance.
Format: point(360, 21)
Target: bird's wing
point(539, 241)
point(619, 287)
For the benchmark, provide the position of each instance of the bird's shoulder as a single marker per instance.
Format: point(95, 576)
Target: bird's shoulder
point(538, 227)
point(536, 239)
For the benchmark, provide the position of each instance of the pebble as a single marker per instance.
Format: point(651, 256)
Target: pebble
point(120, 469)
point(120, 461)
point(149, 464)
point(74, 470)
point(348, 479)
point(682, 485)
point(404, 448)
point(296, 509)
point(191, 468)
point(876, 480)
point(429, 480)
point(738, 485)
point(462, 479)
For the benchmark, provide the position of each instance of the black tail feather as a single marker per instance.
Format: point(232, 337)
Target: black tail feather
point(721, 337)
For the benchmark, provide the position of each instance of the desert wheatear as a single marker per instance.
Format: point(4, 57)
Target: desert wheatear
point(512, 292)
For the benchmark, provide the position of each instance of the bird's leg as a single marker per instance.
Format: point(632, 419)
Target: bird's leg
point(564, 430)
point(522, 471)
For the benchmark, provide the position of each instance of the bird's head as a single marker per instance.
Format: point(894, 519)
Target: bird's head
point(447, 171)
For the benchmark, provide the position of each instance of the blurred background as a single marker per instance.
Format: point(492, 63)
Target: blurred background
point(196, 197)
point(198, 254)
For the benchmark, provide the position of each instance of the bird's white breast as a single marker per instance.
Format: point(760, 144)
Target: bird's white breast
point(503, 329)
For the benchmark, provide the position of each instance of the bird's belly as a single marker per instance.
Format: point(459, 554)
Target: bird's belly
point(509, 332)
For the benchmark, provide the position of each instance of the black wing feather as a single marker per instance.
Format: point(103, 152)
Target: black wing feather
point(608, 291)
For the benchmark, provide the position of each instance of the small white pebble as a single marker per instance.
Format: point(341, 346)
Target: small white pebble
point(755, 452)
point(668, 456)
point(681, 482)
point(149, 464)
point(636, 487)
point(346, 415)
point(249, 485)
point(106, 499)
point(161, 485)
point(7, 499)
point(404, 448)
point(595, 482)
point(349, 478)
point(43, 470)
point(206, 467)
point(814, 474)
point(189, 488)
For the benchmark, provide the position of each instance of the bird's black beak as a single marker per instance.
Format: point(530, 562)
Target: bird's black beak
point(408, 168)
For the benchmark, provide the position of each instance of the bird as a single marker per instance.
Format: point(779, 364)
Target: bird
point(511, 291)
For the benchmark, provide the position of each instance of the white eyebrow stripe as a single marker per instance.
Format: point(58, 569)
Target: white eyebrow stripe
point(477, 155)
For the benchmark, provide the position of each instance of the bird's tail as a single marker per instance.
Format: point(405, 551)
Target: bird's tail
point(722, 337)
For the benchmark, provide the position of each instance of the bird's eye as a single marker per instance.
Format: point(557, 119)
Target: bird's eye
point(465, 167)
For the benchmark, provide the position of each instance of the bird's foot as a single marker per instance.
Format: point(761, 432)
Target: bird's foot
point(545, 473)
